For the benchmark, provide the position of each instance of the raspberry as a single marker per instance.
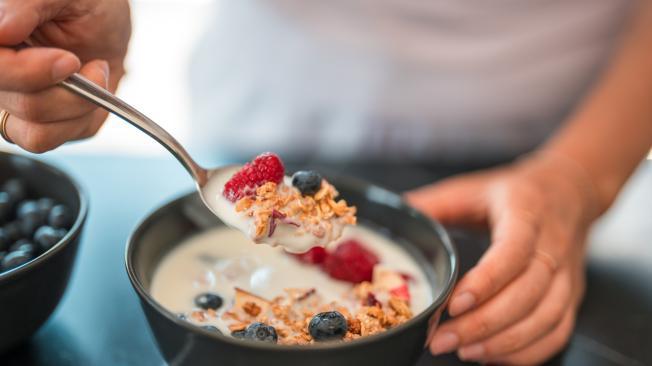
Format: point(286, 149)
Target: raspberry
point(316, 255)
point(402, 292)
point(351, 262)
point(266, 167)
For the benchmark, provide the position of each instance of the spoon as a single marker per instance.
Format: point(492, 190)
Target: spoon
point(208, 181)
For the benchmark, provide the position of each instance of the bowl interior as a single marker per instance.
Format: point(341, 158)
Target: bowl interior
point(384, 211)
point(43, 180)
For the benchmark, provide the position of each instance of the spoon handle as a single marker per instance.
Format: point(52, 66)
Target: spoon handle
point(87, 89)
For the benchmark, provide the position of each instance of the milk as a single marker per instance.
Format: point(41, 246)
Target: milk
point(220, 259)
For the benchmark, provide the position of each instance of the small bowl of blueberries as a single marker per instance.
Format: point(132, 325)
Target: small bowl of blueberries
point(42, 212)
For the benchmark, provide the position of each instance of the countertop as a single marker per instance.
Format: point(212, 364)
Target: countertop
point(100, 322)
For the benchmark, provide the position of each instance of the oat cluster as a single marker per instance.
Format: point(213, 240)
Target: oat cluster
point(290, 314)
point(279, 203)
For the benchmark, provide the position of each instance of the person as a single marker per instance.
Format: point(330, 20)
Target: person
point(495, 79)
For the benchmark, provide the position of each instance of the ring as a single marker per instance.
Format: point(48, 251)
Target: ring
point(4, 117)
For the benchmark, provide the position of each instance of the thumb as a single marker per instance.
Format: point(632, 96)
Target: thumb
point(453, 201)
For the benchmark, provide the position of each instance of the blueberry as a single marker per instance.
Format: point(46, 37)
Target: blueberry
point(45, 205)
point(4, 239)
point(28, 209)
point(28, 226)
point(308, 182)
point(182, 316)
point(261, 333)
point(211, 328)
point(16, 189)
point(23, 245)
point(208, 301)
point(240, 334)
point(15, 259)
point(328, 326)
point(13, 230)
point(6, 206)
point(60, 217)
point(46, 237)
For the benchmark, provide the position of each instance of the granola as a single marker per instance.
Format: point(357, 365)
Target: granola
point(274, 204)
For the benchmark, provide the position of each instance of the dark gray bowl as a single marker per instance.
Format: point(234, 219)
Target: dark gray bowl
point(184, 344)
point(31, 292)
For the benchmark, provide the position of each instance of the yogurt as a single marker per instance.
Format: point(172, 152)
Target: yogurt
point(222, 259)
point(292, 233)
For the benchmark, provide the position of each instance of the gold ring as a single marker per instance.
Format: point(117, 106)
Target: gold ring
point(4, 117)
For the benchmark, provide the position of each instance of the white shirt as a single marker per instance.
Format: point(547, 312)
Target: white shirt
point(425, 80)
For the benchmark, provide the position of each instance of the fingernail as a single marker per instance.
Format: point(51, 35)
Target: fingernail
point(444, 343)
point(105, 70)
point(472, 352)
point(64, 66)
point(461, 303)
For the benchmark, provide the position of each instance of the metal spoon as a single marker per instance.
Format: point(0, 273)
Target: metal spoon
point(202, 177)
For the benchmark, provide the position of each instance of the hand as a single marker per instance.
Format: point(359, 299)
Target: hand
point(518, 304)
point(68, 36)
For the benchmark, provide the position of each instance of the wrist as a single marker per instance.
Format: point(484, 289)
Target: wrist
point(558, 168)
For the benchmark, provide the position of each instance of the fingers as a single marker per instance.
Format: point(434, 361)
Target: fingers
point(546, 347)
point(544, 319)
point(46, 120)
point(19, 18)
point(55, 103)
point(42, 137)
point(514, 234)
point(34, 69)
point(454, 200)
point(511, 305)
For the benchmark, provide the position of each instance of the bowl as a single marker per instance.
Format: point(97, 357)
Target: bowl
point(30, 293)
point(181, 343)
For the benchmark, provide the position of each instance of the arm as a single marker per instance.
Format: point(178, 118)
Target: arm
point(612, 130)
point(518, 304)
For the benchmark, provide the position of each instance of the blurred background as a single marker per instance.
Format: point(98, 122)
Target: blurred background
point(164, 35)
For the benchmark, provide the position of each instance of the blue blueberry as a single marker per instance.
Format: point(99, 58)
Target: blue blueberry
point(60, 217)
point(16, 189)
point(211, 328)
point(239, 334)
point(15, 259)
point(23, 245)
point(328, 326)
point(308, 182)
point(182, 316)
point(261, 333)
point(45, 205)
point(4, 239)
point(13, 231)
point(28, 209)
point(6, 206)
point(28, 226)
point(46, 237)
point(208, 301)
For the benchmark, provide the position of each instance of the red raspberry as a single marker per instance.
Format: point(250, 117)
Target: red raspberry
point(402, 292)
point(316, 255)
point(266, 167)
point(351, 262)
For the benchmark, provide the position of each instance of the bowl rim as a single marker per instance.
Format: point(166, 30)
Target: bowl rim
point(72, 232)
point(354, 183)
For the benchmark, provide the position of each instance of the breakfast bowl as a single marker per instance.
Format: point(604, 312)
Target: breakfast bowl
point(35, 269)
point(182, 343)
